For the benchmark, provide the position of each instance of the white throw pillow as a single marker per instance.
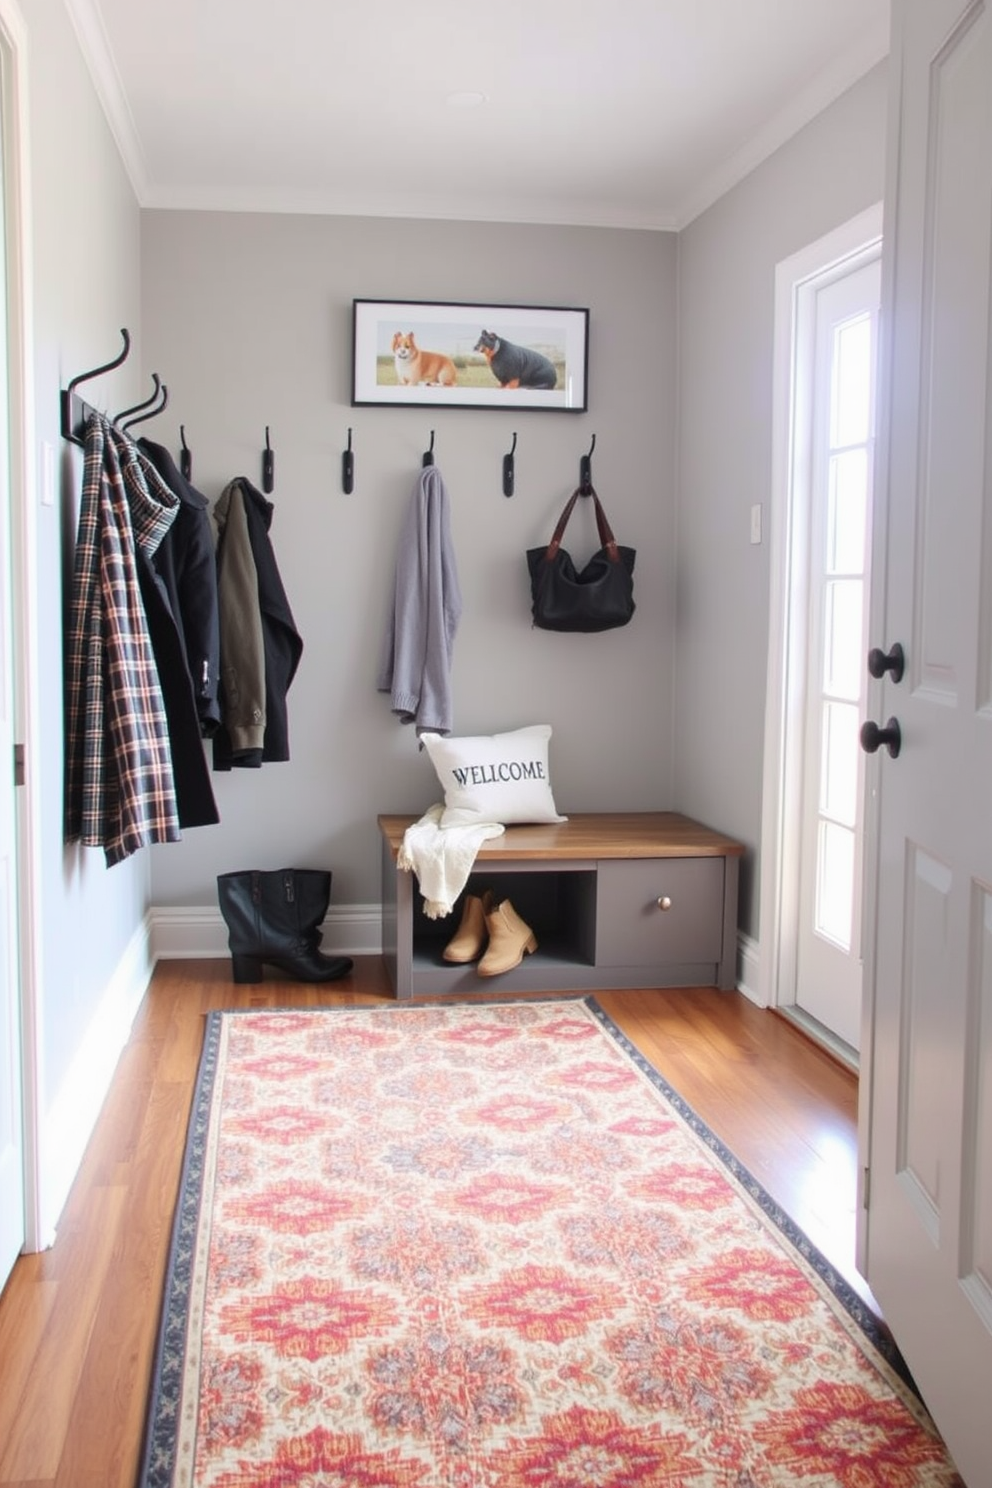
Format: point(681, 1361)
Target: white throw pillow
point(494, 778)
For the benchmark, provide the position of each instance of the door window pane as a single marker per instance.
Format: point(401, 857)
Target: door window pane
point(835, 884)
point(850, 403)
point(847, 504)
point(839, 763)
point(842, 661)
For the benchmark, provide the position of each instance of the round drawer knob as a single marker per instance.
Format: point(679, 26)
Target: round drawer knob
point(664, 902)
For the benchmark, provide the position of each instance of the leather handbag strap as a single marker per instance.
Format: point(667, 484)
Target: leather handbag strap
point(606, 538)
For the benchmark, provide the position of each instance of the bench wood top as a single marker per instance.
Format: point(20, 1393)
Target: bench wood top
point(592, 835)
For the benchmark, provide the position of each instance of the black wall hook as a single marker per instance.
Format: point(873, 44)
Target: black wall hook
point(268, 465)
point(185, 455)
point(152, 412)
point(126, 413)
point(508, 471)
point(429, 452)
point(585, 470)
point(348, 469)
point(73, 411)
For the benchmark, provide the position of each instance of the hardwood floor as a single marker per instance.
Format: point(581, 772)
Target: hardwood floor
point(78, 1323)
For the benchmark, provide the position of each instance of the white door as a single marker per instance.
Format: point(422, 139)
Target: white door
point(12, 1215)
point(928, 1230)
point(828, 944)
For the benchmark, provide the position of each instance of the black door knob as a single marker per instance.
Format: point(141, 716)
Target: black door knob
point(873, 737)
point(894, 662)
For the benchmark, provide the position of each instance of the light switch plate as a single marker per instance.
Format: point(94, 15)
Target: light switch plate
point(756, 522)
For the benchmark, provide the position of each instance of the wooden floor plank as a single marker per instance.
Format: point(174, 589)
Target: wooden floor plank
point(26, 1309)
point(37, 1436)
point(78, 1324)
point(119, 1359)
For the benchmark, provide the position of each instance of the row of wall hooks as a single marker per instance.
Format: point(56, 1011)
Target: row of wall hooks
point(75, 413)
point(509, 473)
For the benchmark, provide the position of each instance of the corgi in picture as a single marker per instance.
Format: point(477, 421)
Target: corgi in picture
point(415, 367)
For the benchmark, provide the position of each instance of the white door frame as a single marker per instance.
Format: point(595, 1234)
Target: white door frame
point(784, 695)
point(23, 518)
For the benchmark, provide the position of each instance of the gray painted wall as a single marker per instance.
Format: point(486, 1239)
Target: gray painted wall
point(85, 271)
point(248, 320)
point(825, 175)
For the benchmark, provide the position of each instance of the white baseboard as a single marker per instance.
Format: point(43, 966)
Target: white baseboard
point(182, 932)
point(749, 979)
point(69, 1122)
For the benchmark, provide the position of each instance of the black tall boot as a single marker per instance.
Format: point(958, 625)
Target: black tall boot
point(275, 918)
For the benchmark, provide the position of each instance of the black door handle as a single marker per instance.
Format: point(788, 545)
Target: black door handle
point(873, 737)
point(894, 662)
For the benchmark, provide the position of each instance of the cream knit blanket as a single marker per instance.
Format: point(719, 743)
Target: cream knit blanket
point(442, 857)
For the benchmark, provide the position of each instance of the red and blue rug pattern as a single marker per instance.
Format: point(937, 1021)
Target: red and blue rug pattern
point(488, 1246)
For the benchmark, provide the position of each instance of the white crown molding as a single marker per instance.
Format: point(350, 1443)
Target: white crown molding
point(825, 89)
point(549, 213)
point(88, 25)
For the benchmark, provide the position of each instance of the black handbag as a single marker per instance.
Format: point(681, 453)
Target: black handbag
point(600, 597)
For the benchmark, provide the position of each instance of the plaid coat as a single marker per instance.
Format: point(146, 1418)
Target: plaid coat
point(119, 790)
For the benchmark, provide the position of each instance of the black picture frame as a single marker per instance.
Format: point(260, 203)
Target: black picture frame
point(466, 355)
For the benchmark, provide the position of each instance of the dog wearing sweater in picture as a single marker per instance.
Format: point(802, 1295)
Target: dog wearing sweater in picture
point(516, 366)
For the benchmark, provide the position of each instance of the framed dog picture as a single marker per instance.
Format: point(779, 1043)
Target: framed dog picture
point(419, 353)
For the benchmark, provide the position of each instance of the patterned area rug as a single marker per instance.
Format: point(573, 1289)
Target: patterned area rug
point(487, 1246)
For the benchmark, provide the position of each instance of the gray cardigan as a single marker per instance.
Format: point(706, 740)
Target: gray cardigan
point(415, 664)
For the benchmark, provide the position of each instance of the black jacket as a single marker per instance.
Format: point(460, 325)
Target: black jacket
point(186, 562)
point(179, 589)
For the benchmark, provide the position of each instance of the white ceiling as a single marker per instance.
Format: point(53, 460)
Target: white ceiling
point(620, 113)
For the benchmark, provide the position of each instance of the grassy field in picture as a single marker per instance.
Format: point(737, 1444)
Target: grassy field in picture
point(473, 372)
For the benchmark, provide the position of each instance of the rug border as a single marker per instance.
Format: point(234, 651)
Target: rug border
point(157, 1467)
point(875, 1330)
point(160, 1435)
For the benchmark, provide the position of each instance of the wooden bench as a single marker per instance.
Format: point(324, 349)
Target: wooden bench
point(616, 900)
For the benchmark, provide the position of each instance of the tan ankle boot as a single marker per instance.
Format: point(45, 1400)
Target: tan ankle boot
point(509, 939)
point(469, 939)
